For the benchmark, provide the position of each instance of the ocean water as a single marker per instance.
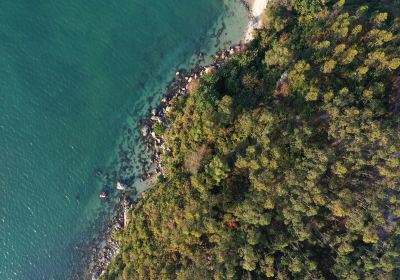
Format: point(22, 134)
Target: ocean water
point(75, 76)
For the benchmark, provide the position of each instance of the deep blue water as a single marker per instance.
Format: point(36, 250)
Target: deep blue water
point(73, 75)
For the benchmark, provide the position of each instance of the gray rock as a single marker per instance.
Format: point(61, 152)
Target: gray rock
point(145, 131)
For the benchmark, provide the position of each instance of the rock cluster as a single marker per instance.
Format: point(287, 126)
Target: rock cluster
point(158, 116)
point(101, 256)
point(102, 252)
point(106, 247)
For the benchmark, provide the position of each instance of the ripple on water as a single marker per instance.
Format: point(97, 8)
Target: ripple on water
point(73, 74)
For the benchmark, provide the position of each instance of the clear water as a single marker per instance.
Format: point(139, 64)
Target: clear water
point(73, 76)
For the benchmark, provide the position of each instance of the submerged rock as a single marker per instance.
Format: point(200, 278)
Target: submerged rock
point(103, 195)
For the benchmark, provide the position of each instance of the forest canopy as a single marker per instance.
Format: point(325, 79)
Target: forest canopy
point(284, 163)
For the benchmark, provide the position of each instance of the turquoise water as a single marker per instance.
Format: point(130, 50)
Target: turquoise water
point(73, 76)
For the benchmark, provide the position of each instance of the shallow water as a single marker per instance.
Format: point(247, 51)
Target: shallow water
point(74, 76)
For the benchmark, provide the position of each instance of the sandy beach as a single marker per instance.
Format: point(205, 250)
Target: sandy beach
point(257, 8)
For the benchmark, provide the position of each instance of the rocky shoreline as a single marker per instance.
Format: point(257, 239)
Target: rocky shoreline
point(102, 255)
point(157, 117)
point(151, 128)
point(154, 142)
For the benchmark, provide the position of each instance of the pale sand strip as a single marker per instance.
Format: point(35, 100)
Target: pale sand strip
point(256, 9)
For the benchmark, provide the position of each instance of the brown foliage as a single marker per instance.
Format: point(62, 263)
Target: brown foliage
point(193, 85)
point(233, 224)
point(196, 159)
point(284, 39)
point(282, 90)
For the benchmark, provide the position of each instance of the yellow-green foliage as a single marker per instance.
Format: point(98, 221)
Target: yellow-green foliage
point(284, 164)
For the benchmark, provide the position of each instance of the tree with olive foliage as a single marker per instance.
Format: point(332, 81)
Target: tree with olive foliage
point(284, 163)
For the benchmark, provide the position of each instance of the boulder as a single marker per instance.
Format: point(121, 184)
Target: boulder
point(103, 195)
point(156, 119)
point(120, 186)
point(145, 131)
point(209, 70)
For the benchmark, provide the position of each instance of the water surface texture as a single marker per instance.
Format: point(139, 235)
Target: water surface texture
point(72, 73)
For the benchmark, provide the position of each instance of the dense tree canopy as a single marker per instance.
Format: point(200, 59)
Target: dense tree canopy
point(285, 163)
